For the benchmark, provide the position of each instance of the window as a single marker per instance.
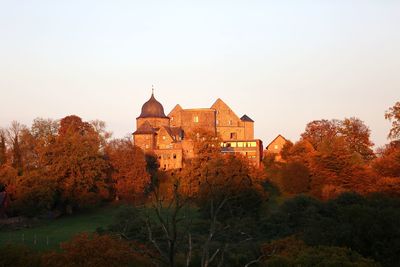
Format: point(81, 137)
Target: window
point(240, 144)
point(196, 119)
point(174, 156)
point(233, 135)
point(276, 147)
point(172, 118)
point(164, 137)
point(230, 122)
point(146, 146)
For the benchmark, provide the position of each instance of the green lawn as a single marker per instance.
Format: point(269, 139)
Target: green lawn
point(50, 234)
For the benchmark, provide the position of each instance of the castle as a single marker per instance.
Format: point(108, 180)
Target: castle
point(168, 136)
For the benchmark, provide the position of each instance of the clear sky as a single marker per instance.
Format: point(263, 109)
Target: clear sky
point(283, 63)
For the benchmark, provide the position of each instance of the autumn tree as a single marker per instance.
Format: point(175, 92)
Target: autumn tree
point(206, 146)
point(3, 148)
point(128, 171)
point(100, 128)
point(342, 152)
point(86, 250)
point(14, 135)
point(77, 164)
point(34, 194)
point(393, 115)
point(44, 133)
point(295, 178)
point(319, 130)
point(357, 137)
point(388, 164)
point(354, 132)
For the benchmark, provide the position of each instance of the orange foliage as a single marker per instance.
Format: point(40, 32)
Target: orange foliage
point(94, 251)
point(128, 169)
point(76, 162)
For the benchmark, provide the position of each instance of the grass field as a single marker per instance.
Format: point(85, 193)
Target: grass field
point(49, 234)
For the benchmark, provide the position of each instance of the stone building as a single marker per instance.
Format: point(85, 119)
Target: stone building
point(168, 136)
point(275, 147)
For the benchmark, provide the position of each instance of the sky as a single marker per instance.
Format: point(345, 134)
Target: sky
point(283, 63)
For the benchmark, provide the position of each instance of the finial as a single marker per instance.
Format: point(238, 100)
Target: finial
point(152, 89)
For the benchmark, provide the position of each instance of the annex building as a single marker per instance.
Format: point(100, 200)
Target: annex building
point(168, 136)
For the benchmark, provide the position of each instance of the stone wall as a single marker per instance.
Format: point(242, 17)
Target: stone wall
point(145, 141)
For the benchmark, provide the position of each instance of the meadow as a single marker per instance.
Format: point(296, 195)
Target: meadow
point(49, 234)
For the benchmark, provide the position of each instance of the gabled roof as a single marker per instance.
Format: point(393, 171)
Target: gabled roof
point(167, 130)
point(279, 135)
point(173, 132)
point(175, 109)
point(145, 128)
point(219, 101)
point(176, 131)
point(246, 118)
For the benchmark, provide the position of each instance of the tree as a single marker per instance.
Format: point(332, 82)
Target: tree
point(295, 178)
point(163, 225)
point(34, 194)
point(226, 190)
point(3, 148)
point(353, 130)
point(128, 172)
point(14, 134)
point(393, 115)
point(338, 163)
point(96, 250)
point(100, 128)
point(341, 222)
point(19, 256)
point(318, 131)
point(43, 134)
point(78, 165)
point(357, 137)
point(388, 164)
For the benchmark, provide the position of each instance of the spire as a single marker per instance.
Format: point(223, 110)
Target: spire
point(152, 90)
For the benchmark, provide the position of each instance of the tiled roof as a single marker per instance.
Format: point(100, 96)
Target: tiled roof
point(145, 128)
point(246, 118)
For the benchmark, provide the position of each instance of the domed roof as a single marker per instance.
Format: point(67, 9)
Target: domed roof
point(152, 109)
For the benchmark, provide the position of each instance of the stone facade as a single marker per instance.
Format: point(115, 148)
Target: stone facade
point(168, 137)
point(275, 147)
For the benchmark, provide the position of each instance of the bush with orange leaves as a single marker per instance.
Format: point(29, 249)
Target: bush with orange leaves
point(95, 251)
